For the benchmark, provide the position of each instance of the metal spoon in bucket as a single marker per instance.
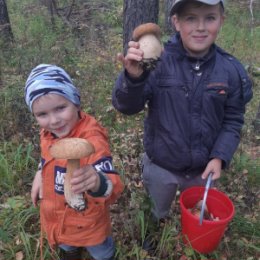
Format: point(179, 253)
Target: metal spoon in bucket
point(205, 197)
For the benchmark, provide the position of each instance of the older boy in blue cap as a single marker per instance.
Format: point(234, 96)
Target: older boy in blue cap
point(196, 99)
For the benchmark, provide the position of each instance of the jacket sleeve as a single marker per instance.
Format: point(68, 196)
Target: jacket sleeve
point(111, 184)
point(111, 187)
point(130, 95)
point(240, 94)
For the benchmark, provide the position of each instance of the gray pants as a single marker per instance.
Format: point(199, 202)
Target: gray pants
point(162, 185)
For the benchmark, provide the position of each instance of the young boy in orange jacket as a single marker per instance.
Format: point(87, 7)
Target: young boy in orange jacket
point(55, 104)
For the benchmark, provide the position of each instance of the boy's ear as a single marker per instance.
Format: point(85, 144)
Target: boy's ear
point(175, 23)
point(223, 17)
point(222, 22)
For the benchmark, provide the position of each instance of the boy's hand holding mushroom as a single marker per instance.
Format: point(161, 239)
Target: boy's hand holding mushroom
point(131, 61)
point(144, 51)
point(85, 179)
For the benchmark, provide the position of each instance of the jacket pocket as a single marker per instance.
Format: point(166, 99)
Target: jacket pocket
point(77, 225)
point(216, 90)
point(214, 99)
point(171, 84)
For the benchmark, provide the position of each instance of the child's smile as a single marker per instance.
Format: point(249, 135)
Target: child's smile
point(56, 114)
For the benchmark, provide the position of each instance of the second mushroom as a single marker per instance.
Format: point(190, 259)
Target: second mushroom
point(148, 35)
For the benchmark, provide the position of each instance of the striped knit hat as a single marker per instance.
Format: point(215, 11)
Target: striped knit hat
point(46, 78)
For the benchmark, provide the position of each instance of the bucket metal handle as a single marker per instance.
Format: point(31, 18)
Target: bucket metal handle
point(205, 197)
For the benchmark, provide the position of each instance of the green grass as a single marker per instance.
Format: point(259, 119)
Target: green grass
point(88, 54)
point(14, 161)
point(241, 42)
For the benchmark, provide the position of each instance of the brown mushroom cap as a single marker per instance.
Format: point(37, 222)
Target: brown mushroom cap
point(146, 28)
point(71, 148)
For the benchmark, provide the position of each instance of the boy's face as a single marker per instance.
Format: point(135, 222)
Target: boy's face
point(55, 114)
point(198, 26)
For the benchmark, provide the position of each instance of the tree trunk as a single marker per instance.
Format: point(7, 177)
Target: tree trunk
point(5, 28)
point(137, 12)
point(52, 8)
point(167, 18)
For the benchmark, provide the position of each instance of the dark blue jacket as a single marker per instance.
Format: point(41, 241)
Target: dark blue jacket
point(195, 107)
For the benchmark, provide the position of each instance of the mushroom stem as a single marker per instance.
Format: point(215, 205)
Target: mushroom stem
point(76, 201)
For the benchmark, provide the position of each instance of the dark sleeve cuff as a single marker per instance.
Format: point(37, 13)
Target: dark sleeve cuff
point(139, 79)
point(105, 187)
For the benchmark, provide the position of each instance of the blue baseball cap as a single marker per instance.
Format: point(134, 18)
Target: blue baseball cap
point(177, 3)
point(47, 78)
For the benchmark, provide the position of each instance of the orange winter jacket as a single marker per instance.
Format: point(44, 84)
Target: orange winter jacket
point(62, 224)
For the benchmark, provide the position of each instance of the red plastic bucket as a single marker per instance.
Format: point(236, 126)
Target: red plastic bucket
point(206, 237)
